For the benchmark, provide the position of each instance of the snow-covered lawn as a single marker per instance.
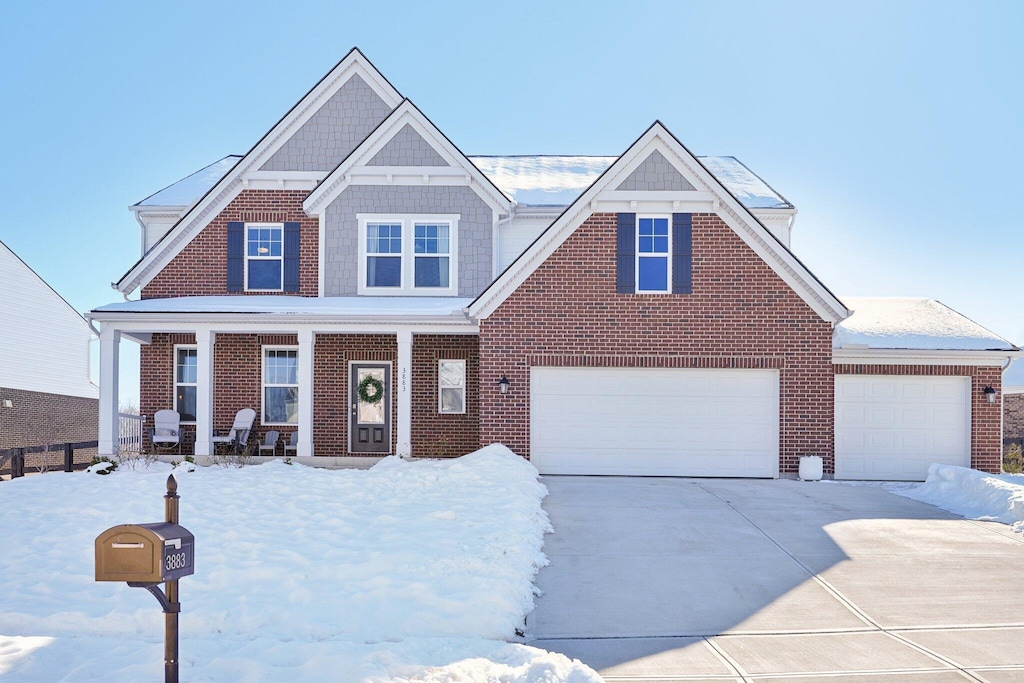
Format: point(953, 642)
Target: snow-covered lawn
point(970, 493)
point(407, 571)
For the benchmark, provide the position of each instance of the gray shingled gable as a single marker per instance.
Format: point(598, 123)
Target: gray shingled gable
point(655, 173)
point(333, 131)
point(407, 148)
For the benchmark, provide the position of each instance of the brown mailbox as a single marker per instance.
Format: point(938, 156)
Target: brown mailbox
point(144, 553)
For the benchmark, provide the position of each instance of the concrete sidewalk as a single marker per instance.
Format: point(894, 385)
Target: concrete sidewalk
point(756, 580)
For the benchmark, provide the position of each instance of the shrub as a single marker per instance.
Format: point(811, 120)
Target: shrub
point(1013, 461)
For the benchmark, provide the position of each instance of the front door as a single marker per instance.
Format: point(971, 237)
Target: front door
point(370, 415)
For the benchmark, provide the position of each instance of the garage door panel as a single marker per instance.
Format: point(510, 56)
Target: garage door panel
point(907, 424)
point(643, 421)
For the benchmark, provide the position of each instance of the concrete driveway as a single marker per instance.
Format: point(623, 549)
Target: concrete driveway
point(666, 579)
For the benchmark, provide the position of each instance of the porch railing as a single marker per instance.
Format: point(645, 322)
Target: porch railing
point(129, 433)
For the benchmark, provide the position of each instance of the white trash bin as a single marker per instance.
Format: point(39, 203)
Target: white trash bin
point(811, 468)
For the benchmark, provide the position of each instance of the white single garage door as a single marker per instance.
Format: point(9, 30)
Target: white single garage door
point(890, 427)
point(658, 422)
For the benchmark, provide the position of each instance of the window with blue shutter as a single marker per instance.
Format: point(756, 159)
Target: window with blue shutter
point(654, 254)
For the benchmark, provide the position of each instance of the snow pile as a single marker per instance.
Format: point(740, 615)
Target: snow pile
point(744, 184)
point(911, 323)
point(972, 494)
point(409, 569)
point(191, 188)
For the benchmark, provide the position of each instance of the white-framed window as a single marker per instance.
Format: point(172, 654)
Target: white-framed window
point(451, 386)
point(654, 254)
point(408, 255)
point(264, 257)
point(185, 377)
point(280, 385)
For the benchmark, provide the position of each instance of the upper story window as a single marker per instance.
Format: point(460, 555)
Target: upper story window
point(654, 254)
point(408, 255)
point(653, 251)
point(264, 257)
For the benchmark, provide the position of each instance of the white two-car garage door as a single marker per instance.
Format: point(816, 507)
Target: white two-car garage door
point(893, 427)
point(659, 422)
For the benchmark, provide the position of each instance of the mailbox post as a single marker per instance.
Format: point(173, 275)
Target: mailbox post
point(146, 555)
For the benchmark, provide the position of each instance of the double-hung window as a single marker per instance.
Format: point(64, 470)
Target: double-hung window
point(264, 257)
point(653, 255)
point(408, 255)
point(185, 378)
point(451, 386)
point(280, 386)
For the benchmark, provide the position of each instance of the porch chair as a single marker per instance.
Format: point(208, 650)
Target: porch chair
point(237, 439)
point(292, 444)
point(165, 435)
point(270, 442)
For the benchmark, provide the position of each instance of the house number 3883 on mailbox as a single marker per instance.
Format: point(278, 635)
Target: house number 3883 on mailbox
point(146, 555)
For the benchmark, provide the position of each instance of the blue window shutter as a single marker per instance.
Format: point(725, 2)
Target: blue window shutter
point(291, 257)
point(682, 253)
point(625, 262)
point(236, 256)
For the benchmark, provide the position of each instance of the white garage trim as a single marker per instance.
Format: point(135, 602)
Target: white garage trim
point(655, 421)
point(892, 427)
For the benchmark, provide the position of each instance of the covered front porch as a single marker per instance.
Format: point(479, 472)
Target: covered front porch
point(300, 363)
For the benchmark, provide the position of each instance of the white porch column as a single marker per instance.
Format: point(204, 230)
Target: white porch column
point(204, 392)
point(305, 372)
point(110, 343)
point(404, 384)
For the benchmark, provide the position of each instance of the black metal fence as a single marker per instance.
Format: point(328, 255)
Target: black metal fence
point(16, 456)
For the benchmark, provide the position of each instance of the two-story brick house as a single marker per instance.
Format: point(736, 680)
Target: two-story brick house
point(358, 280)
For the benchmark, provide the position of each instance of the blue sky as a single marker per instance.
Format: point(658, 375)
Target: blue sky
point(896, 128)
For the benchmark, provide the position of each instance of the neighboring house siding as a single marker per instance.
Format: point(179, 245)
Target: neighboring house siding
point(435, 434)
point(655, 173)
point(332, 354)
point(200, 269)
point(740, 314)
point(333, 131)
point(407, 148)
point(44, 343)
point(341, 249)
point(1013, 416)
point(986, 442)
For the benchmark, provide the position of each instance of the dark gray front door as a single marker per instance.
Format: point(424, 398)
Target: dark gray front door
point(370, 420)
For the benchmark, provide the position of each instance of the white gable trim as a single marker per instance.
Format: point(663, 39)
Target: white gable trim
point(355, 171)
point(228, 187)
point(709, 193)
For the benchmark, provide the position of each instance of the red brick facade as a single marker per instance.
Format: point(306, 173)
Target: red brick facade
point(740, 314)
point(237, 384)
point(986, 445)
point(443, 435)
point(201, 267)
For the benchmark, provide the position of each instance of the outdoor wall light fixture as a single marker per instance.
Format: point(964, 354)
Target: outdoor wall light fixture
point(503, 385)
point(8, 403)
point(990, 394)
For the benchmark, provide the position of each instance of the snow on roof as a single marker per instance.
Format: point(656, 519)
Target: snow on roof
point(1013, 376)
point(745, 185)
point(911, 323)
point(535, 180)
point(357, 306)
point(541, 180)
point(191, 188)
